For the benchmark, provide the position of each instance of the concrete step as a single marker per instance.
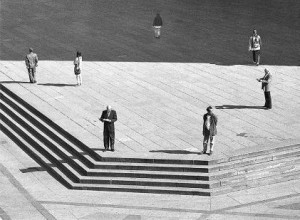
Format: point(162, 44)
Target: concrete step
point(39, 157)
point(182, 183)
point(137, 188)
point(38, 147)
point(57, 130)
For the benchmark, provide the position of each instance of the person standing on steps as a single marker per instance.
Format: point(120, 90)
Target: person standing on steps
point(210, 121)
point(77, 68)
point(254, 46)
point(157, 23)
point(31, 61)
point(265, 85)
point(109, 117)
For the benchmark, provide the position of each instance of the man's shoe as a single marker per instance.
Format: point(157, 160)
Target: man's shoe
point(210, 153)
point(112, 150)
point(203, 152)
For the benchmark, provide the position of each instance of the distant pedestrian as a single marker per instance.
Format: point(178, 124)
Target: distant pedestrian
point(265, 85)
point(31, 61)
point(255, 46)
point(210, 121)
point(77, 68)
point(109, 117)
point(157, 23)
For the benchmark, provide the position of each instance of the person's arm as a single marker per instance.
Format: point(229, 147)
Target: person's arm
point(102, 117)
point(36, 60)
point(250, 44)
point(260, 42)
point(114, 118)
point(26, 62)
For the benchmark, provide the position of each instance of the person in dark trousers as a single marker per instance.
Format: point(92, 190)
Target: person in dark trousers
point(254, 46)
point(31, 61)
point(265, 85)
point(210, 121)
point(157, 23)
point(109, 117)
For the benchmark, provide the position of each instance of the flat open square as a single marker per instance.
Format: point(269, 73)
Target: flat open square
point(159, 88)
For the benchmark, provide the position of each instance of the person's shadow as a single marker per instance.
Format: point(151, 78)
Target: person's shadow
point(10, 82)
point(174, 151)
point(56, 84)
point(239, 107)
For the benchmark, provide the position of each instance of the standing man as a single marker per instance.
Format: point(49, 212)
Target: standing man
point(265, 85)
point(157, 23)
point(31, 61)
point(210, 121)
point(254, 46)
point(108, 117)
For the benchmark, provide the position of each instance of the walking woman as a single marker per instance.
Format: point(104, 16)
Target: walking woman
point(77, 68)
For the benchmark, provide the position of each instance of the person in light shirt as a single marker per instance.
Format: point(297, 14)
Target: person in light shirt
point(255, 46)
point(210, 121)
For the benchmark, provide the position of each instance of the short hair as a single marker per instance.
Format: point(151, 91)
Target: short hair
point(30, 49)
point(78, 54)
point(209, 108)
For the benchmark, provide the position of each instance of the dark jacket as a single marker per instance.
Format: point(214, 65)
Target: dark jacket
point(157, 21)
point(266, 82)
point(213, 125)
point(109, 126)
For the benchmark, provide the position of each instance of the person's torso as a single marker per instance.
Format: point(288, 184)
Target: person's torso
point(256, 42)
point(31, 59)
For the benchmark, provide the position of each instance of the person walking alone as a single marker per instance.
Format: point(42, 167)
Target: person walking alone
point(109, 117)
point(265, 86)
point(157, 23)
point(210, 121)
point(77, 68)
point(254, 46)
point(31, 61)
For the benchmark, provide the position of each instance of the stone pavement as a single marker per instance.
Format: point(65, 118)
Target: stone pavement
point(160, 108)
point(28, 192)
point(160, 105)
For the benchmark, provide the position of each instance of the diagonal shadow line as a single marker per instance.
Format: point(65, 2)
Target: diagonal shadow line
point(169, 209)
point(56, 84)
point(11, 82)
point(239, 107)
point(260, 202)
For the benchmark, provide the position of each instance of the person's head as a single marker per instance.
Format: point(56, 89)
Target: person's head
point(157, 14)
point(254, 32)
point(30, 50)
point(108, 108)
point(209, 109)
point(266, 72)
point(78, 54)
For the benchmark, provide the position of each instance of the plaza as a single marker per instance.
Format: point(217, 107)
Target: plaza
point(160, 89)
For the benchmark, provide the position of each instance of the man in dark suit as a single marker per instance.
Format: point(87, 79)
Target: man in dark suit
point(265, 85)
point(108, 117)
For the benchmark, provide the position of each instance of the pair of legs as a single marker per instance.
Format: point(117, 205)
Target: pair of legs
point(31, 73)
point(109, 140)
point(79, 79)
point(211, 139)
point(157, 31)
point(268, 100)
point(256, 56)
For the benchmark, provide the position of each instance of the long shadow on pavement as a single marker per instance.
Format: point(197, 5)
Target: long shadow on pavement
point(239, 107)
point(56, 84)
point(174, 151)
